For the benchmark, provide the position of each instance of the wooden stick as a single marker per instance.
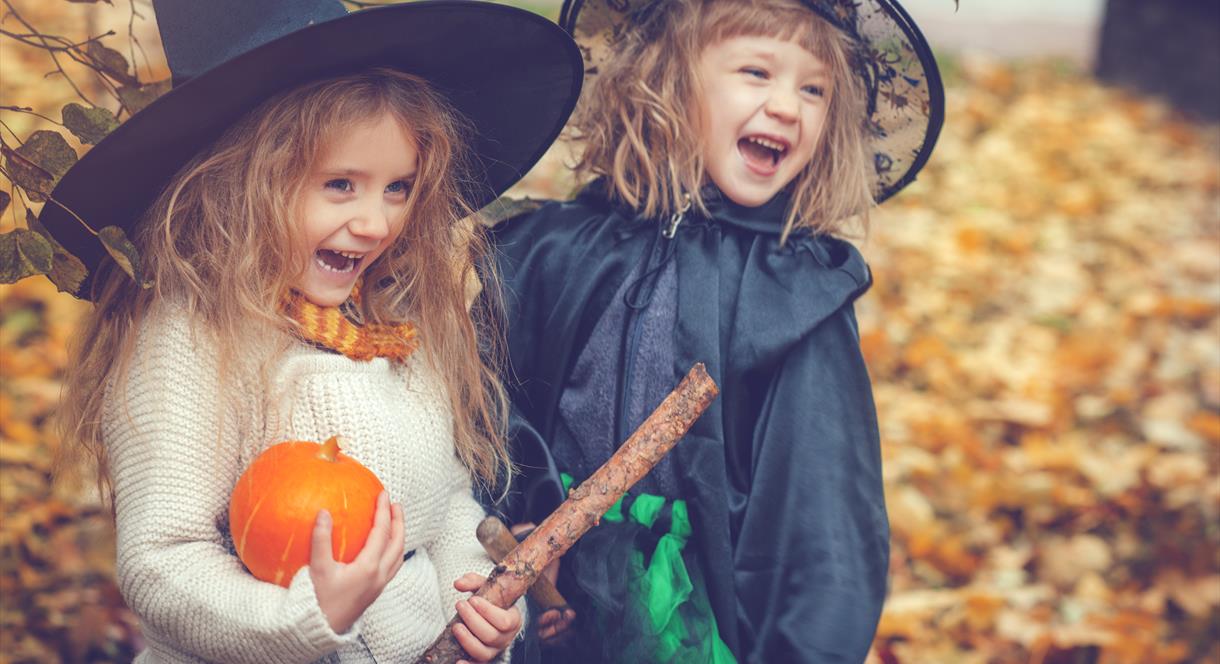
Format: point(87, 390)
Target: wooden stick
point(587, 502)
point(498, 542)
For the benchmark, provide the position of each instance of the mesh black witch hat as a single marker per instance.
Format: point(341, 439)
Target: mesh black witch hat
point(906, 101)
point(515, 75)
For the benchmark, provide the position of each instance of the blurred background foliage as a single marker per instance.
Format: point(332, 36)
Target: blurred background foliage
point(1043, 336)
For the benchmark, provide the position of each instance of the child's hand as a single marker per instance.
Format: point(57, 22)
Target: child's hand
point(344, 591)
point(486, 629)
point(553, 622)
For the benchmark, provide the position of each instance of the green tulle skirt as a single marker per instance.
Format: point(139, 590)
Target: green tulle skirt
point(648, 600)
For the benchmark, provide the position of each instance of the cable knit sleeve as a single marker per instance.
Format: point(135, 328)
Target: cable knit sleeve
point(456, 550)
point(174, 448)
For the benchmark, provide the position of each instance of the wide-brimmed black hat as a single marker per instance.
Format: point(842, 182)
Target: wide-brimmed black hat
point(513, 74)
point(906, 100)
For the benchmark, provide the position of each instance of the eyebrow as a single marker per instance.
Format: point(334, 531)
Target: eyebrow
point(820, 70)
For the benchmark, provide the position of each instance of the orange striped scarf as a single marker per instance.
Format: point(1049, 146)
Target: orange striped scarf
point(330, 328)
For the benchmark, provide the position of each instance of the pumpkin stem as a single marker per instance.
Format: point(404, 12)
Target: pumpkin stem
point(330, 449)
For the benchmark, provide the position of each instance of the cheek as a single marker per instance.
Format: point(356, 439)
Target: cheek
point(401, 219)
point(716, 129)
point(396, 227)
point(814, 126)
point(311, 219)
point(703, 121)
point(712, 108)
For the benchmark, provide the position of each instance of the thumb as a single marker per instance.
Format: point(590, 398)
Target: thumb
point(320, 551)
point(468, 582)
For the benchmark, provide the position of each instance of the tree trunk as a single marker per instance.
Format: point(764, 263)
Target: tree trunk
point(1169, 48)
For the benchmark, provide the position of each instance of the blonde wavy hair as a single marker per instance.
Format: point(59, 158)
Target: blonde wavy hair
point(220, 242)
point(638, 121)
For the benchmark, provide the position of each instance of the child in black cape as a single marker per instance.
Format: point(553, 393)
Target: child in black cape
point(729, 142)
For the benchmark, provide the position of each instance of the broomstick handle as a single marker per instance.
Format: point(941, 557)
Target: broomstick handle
point(498, 542)
point(586, 503)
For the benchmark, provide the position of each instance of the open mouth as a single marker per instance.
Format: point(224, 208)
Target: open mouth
point(340, 262)
point(761, 152)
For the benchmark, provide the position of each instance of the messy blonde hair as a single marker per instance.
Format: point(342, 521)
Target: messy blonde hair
point(637, 129)
point(220, 241)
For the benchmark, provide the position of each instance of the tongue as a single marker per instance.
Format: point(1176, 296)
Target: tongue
point(756, 154)
point(333, 259)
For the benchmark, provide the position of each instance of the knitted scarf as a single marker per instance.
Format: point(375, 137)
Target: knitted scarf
point(331, 328)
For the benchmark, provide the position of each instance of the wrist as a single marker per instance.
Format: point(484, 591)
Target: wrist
point(342, 625)
point(340, 615)
point(340, 620)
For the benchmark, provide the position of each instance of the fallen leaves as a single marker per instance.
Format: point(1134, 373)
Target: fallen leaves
point(60, 601)
point(1044, 338)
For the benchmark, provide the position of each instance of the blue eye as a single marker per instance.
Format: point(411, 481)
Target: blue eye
point(815, 90)
point(398, 187)
point(754, 72)
point(339, 184)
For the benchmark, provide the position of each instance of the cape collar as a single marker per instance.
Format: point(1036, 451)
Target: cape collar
point(766, 219)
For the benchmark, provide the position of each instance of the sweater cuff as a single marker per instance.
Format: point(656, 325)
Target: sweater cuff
point(314, 632)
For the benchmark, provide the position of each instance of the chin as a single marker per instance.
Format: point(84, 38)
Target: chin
point(748, 197)
point(326, 298)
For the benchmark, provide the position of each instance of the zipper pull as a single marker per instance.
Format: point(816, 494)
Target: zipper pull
point(672, 229)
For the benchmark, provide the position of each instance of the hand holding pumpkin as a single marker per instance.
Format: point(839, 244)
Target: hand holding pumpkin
point(303, 503)
point(345, 590)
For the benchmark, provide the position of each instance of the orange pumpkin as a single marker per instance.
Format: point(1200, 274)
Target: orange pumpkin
point(276, 501)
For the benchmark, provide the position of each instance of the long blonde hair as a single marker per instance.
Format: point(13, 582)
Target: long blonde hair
point(219, 242)
point(636, 127)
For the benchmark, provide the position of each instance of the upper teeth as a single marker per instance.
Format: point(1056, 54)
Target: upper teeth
point(348, 254)
point(767, 143)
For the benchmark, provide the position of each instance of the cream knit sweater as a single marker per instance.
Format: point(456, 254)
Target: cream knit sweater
point(174, 464)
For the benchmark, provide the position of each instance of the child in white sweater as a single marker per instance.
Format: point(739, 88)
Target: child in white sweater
point(317, 167)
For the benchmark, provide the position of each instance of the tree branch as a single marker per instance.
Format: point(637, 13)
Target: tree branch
point(50, 51)
point(28, 111)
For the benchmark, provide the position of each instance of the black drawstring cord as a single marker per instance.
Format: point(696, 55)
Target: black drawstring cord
point(636, 297)
point(632, 296)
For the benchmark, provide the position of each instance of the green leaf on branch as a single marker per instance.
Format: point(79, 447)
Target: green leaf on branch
point(90, 125)
point(23, 253)
point(5, 199)
point(36, 181)
point(110, 62)
point(38, 164)
point(123, 252)
point(67, 271)
point(49, 150)
point(136, 97)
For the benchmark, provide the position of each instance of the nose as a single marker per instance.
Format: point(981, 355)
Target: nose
point(371, 221)
point(783, 104)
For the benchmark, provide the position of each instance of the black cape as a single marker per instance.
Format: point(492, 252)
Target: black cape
point(782, 474)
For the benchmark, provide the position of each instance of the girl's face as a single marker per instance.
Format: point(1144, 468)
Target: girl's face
point(763, 106)
point(353, 206)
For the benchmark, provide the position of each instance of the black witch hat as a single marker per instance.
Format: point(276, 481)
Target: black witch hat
point(906, 100)
point(515, 75)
